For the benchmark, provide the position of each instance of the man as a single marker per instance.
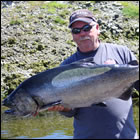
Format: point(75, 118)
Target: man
point(112, 119)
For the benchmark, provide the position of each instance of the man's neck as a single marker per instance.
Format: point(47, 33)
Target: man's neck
point(94, 48)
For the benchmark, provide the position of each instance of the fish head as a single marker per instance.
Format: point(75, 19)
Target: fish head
point(20, 103)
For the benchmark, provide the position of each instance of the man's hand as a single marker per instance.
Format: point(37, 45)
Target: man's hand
point(110, 61)
point(59, 108)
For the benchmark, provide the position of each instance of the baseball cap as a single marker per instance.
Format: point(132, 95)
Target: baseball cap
point(81, 15)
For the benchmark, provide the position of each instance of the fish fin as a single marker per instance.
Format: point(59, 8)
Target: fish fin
point(56, 103)
point(136, 85)
point(45, 107)
point(85, 62)
point(89, 59)
point(127, 94)
point(129, 91)
point(133, 62)
point(101, 104)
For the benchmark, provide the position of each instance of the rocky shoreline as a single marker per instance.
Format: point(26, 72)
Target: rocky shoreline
point(35, 35)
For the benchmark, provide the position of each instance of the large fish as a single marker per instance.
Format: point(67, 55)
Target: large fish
point(79, 84)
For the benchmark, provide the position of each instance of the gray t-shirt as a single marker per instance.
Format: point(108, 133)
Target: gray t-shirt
point(112, 119)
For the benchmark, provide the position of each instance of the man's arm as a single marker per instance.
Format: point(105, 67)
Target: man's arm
point(68, 112)
point(59, 108)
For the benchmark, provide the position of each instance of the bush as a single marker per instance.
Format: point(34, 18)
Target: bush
point(130, 10)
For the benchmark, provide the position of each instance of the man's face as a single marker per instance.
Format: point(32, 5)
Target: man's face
point(86, 40)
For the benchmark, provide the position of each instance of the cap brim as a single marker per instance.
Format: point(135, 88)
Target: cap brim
point(87, 20)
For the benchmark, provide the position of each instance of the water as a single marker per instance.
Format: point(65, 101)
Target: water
point(48, 125)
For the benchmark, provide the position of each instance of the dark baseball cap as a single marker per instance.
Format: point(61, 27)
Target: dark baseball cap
point(81, 15)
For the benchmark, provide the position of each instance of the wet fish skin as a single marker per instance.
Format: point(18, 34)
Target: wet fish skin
point(79, 84)
point(20, 102)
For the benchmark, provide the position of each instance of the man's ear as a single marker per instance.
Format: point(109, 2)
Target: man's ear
point(97, 27)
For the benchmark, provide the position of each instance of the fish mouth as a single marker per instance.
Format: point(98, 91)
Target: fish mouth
point(17, 108)
point(10, 112)
point(15, 112)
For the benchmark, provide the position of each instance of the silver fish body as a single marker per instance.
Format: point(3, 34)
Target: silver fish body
point(78, 84)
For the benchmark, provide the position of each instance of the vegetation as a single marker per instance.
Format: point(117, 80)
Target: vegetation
point(136, 117)
point(15, 22)
point(130, 9)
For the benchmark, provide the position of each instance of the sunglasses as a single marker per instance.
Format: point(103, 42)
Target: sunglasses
point(85, 28)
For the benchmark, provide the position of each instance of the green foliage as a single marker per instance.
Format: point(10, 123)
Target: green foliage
point(11, 40)
point(3, 57)
point(40, 47)
point(15, 21)
point(41, 65)
point(13, 81)
point(71, 42)
point(130, 10)
point(136, 117)
point(36, 66)
point(64, 13)
point(136, 98)
point(36, 3)
point(51, 10)
point(59, 20)
point(55, 4)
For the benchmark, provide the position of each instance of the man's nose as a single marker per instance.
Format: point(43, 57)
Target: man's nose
point(82, 33)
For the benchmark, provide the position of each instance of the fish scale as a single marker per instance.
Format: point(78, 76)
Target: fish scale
point(79, 84)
